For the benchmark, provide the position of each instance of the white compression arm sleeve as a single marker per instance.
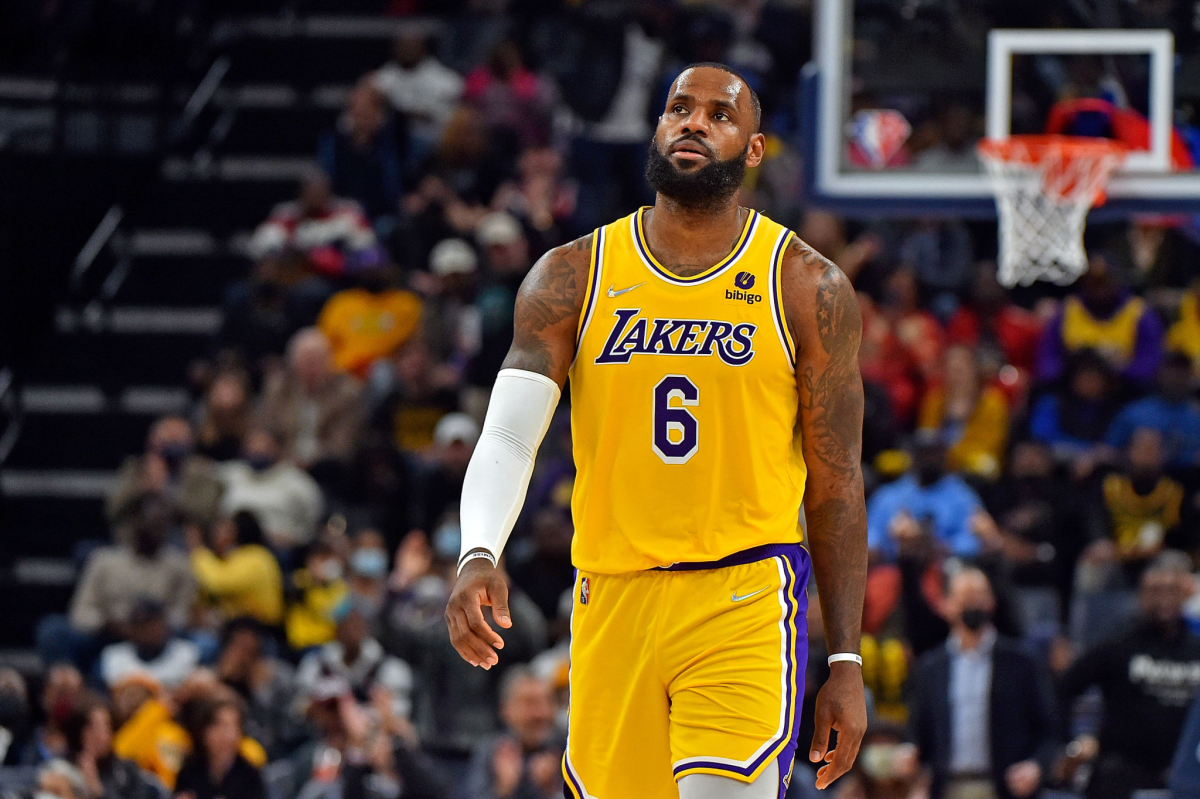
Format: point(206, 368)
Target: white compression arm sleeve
point(518, 415)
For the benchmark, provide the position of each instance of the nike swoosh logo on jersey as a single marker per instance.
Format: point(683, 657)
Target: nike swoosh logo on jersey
point(612, 293)
point(737, 598)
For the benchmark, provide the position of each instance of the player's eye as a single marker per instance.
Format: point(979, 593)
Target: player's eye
point(721, 115)
point(679, 109)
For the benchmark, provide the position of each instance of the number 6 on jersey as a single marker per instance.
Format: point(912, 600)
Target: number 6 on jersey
point(676, 432)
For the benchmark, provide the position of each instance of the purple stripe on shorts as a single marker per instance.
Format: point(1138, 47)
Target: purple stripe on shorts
point(752, 555)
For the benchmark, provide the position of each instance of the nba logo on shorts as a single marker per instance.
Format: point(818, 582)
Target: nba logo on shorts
point(744, 281)
point(585, 591)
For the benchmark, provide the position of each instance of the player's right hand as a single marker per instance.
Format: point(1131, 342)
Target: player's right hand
point(479, 584)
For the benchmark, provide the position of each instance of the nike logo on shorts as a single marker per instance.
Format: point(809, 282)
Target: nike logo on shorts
point(737, 598)
point(612, 293)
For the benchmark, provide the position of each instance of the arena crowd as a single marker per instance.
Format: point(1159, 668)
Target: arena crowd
point(266, 620)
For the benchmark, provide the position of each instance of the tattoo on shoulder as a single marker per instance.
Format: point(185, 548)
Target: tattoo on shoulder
point(808, 255)
point(553, 291)
point(834, 396)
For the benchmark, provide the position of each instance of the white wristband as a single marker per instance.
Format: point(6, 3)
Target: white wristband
point(847, 656)
point(470, 556)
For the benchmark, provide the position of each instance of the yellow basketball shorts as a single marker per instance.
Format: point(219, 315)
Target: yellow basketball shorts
point(695, 669)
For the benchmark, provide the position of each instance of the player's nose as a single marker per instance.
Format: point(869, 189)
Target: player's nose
point(696, 122)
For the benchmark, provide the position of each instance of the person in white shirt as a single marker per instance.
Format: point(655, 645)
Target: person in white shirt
point(283, 497)
point(151, 649)
point(420, 87)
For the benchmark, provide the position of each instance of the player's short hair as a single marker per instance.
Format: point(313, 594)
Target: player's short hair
point(755, 104)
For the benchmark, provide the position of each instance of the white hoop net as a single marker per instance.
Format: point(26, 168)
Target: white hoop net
point(1045, 186)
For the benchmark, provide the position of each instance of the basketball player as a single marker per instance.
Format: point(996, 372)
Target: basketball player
point(713, 359)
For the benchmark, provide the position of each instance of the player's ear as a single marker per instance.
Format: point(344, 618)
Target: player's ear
point(755, 149)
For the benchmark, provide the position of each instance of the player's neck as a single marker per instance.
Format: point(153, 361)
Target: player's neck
point(687, 240)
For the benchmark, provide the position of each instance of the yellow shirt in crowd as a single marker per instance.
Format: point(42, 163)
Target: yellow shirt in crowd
point(246, 582)
point(980, 449)
point(363, 327)
point(1184, 335)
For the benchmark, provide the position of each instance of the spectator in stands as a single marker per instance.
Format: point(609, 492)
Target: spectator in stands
point(1184, 334)
point(286, 501)
point(1104, 316)
point(1173, 411)
point(171, 468)
point(216, 769)
point(454, 440)
point(1149, 672)
point(89, 733)
point(450, 320)
point(901, 344)
point(1044, 524)
point(887, 767)
point(524, 760)
point(995, 326)
point(114, 579)
point(826, 233)
point(368, 568)
point(928, 503)
point(516, 103)
point(373, 319)
point(983, 710)
point(422, 88)
point(320, 225)
point(1142, 503)
point(316, 591)
point(364, 156)
point(265, 684)
point(970, 414)
point(262, 313)
point(1151, 252)
point(506, 257)
point(547, 572)
point(613, 84)
point(151, 649)
point(353, 757)
point(359, 659)
point(236, 572)
point(539, 196)
point(415, 393)
point(14, 718)
point(62, 687)
point(1074, 420)
point(147, 734)
point(224, 417)
point(315, 408)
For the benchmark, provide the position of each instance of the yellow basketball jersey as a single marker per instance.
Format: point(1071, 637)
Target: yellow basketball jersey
point(683, 405)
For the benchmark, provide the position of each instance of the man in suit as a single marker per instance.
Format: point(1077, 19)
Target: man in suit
point(983, 711)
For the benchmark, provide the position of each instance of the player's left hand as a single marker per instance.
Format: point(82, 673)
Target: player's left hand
point(841, 706)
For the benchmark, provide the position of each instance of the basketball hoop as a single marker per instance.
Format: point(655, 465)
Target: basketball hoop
point(1045, 186)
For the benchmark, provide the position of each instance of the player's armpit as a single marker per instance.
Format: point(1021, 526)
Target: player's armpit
point(547, 313)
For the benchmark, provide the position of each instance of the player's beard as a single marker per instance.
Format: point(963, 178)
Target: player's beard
point(705, 188)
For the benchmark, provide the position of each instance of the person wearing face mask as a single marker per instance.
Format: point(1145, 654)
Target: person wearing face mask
point(315, 592)
point(887, 767)
point(926, 503)
point(236, 572)
point(116, 578)
point(284, 498)
point(373, 318)
point(368, 568)
point(169, 467)
point(983, 713)
point(1148, 676)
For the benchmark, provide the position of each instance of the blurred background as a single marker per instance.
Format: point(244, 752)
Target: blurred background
point(258, 266)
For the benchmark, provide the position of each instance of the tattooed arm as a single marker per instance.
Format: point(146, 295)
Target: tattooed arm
point(548, 308)
point(522, 404)
point(823, 316)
